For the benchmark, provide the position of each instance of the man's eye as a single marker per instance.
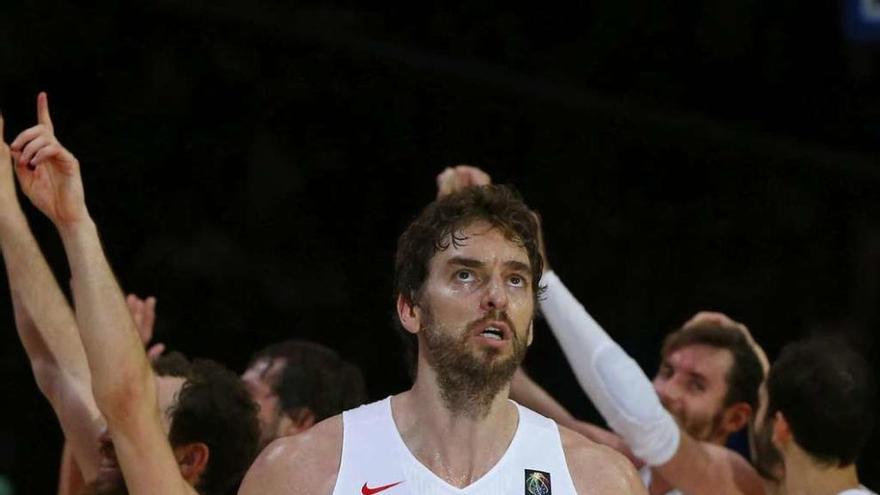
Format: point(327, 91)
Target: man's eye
point(517, 281)
point(464, 276)
point(696, 387)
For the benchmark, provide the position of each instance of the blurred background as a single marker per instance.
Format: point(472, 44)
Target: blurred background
point(252, 164)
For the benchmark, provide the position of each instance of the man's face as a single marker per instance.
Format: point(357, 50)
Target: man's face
point(766, 457)
point(476, 310)
point(109, 480)
point(260, 379)
point(692, 385)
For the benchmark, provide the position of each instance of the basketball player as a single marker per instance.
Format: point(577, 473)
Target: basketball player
point(818, 407)
point(192, 434)
point(466, 282)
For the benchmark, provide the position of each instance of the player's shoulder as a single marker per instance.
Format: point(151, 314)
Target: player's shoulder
point(306, 463)
point(598, 469)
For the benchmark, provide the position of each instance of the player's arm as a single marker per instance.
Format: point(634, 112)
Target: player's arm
point(46, 325)
point(624, 396)
point(528, 393)
point(598, 469)
point(302, 464)
point(122, 379)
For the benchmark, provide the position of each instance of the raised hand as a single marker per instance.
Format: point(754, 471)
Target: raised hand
point(143, 311)
point(49, 174)
point(453, 179)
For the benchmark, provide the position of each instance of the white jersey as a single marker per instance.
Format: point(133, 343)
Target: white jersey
point(857, 491)
point(376, 460)
point(645, 474)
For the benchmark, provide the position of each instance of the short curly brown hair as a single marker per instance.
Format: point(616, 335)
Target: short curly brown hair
point(439, 226)
point(213, 407)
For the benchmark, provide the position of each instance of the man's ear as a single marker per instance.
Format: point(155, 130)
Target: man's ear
point(296, 421)
point(736, 416)
point(193, 460)
point(410, 315)
point(782, 434)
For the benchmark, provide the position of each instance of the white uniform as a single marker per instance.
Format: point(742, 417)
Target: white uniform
point(645, 474)
point(376, 460)
point(857, 491)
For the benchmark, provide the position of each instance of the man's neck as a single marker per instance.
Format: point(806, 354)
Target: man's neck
point(803, 476)
point(459, 448)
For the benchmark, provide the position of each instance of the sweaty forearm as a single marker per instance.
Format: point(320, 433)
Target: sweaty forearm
point(121, 374)
point(614, 382)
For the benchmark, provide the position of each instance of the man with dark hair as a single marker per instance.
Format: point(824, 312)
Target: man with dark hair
point(818, 408)
point(466, 283)
point(297, 384)
point(173, 435)
point(707, 381)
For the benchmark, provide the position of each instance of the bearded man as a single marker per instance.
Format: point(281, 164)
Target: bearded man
point(466, 286)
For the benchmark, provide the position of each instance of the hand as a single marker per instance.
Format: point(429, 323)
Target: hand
point(49, 174)
point(453, 179)
point(721, 319)
point(143, 312)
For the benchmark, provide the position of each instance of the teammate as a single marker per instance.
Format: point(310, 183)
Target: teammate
point(818, 407)
point(297, 384)
point(191, 434)
point(466, 282)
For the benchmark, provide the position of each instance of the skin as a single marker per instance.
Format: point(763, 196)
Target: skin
point(71, 480)
point(466, 283)
point(122, 380)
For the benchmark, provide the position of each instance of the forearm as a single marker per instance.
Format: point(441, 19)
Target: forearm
point(52, 341)
point(614, 382)
point(121, 375)
point(47, 329)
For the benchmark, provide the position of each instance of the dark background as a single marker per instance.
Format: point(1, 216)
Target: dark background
point(252, 165)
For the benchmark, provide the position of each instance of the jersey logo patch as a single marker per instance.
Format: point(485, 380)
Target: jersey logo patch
point(365, 490)
point(537, 482)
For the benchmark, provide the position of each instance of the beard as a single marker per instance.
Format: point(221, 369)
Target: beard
point(766, 458)
point(470, 379)
point(700, 427)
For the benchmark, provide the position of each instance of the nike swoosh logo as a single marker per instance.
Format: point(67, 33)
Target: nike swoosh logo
point(365, 490)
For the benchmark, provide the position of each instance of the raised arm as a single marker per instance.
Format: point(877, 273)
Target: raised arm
point(624, 396)
point(122, 380)
point(47, 327)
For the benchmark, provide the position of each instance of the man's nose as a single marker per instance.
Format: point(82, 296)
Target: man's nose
point(495, 296)
point(669, 394)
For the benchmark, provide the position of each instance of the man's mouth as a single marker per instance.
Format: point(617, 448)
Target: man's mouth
point(494, 330)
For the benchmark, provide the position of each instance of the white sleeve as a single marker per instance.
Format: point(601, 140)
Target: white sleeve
point(615, 383)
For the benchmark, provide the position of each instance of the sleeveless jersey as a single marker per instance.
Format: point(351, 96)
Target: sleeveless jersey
point(376, 460)
point(862, 490)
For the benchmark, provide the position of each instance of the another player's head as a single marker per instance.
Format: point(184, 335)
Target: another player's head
point(211, 424)
point(820, 399)
point(297, 384)
point(466, 283)
point(708, 379)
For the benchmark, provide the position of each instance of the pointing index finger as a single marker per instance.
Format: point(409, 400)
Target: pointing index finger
point(43, 110)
